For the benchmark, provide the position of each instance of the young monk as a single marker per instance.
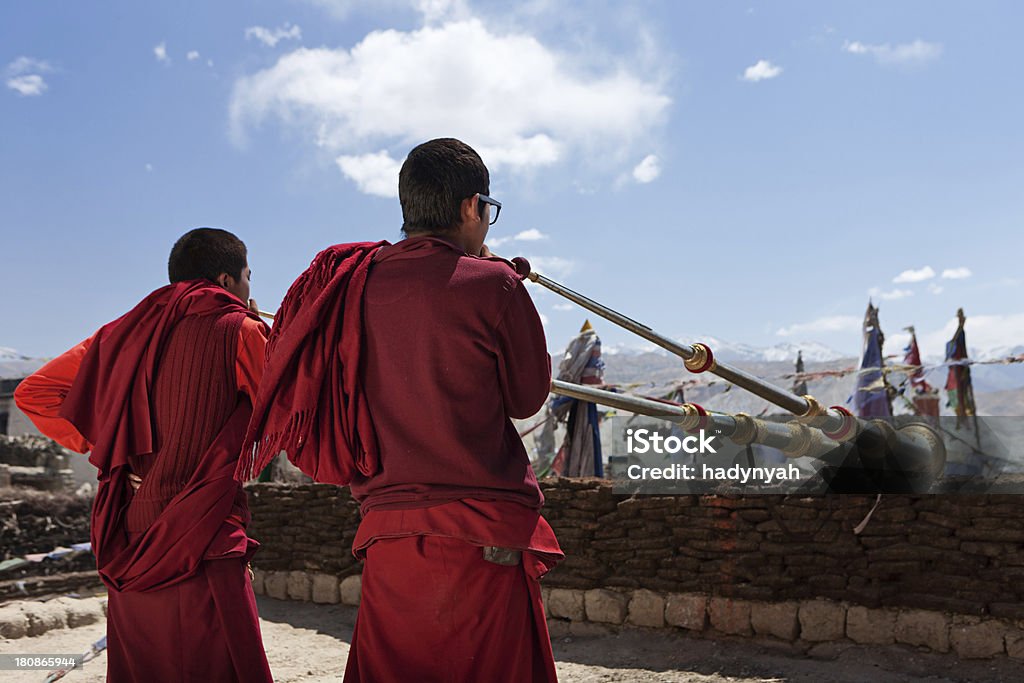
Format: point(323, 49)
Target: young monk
point(396, 369)
point(161, 397)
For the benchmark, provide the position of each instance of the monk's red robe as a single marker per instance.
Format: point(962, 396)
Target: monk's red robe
point(41, 394)
point(396, 370)
point(165, 392)
point(454, 349)
point(433, 609)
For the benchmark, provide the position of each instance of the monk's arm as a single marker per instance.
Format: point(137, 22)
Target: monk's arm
point(524, 367)
point(41, 394)
point(252, 346)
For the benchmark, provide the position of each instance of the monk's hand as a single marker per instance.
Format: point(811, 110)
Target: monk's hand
point(485, 252)
point(252, 574)
point(135, 481)
point(253, 307)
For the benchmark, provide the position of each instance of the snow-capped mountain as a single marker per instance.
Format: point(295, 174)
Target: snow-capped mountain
point(14, 365)
point(994, 352)
point(813, 352)
point(10, 354)
point(998, 388)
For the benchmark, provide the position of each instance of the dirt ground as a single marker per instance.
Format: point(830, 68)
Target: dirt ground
point(309, 643)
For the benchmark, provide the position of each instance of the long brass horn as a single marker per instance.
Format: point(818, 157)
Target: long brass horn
point(700, 358)
point(920, 447)
point(794, 439)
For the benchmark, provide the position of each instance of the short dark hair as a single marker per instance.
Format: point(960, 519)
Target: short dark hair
point(434, 179)
point(206, 253)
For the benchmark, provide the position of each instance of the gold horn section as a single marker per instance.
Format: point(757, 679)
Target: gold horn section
point(801, 442)
point(746, 429)
point(692, 417)
point(699, 361)
point(814, 408)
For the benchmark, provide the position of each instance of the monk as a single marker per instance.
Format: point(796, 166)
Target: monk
point(161, 398)
point(396, 370)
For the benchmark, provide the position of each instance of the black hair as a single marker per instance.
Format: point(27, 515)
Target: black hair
point(206, 253)
point(434, 179)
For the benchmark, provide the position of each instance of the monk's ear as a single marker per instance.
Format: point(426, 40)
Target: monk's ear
point(225, 281)
point(469, 210)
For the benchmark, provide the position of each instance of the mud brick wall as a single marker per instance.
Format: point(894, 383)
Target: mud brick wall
point(37, 521)
point(963, 554)
point(307, 527)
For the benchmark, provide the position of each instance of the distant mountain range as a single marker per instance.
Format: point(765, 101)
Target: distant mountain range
point(999, 389)
point(997, 352)
point(729, 351)
point(15, 365)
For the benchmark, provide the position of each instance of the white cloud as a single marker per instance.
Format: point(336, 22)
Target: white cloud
point(543, 319)
point(917, 53)
point(935, 288)
point(25, 65)
point(960, 273)
point(891, 295)
point(192, 55)
point(271, 37)
point(375, 174)
point(647, 170)
point(984, 333)
point(563, 307)
point(531, 235)
point(149, 168)
point(437, 10)
point(160, 52)
point(25, 76)
point(552, 266)
point(28, 86)
point(530, 106)
point(831, 323)
point(761, 71)
point(911, 275)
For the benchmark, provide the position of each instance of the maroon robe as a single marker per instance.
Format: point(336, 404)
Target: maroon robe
point(397, 370)
point(433, 609)
point(156, 392)
point(454, 349)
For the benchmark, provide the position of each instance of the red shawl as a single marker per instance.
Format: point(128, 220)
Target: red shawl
point(310, 403)
point(109, 404)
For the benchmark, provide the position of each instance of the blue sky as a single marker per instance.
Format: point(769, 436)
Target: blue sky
point(752, 171)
